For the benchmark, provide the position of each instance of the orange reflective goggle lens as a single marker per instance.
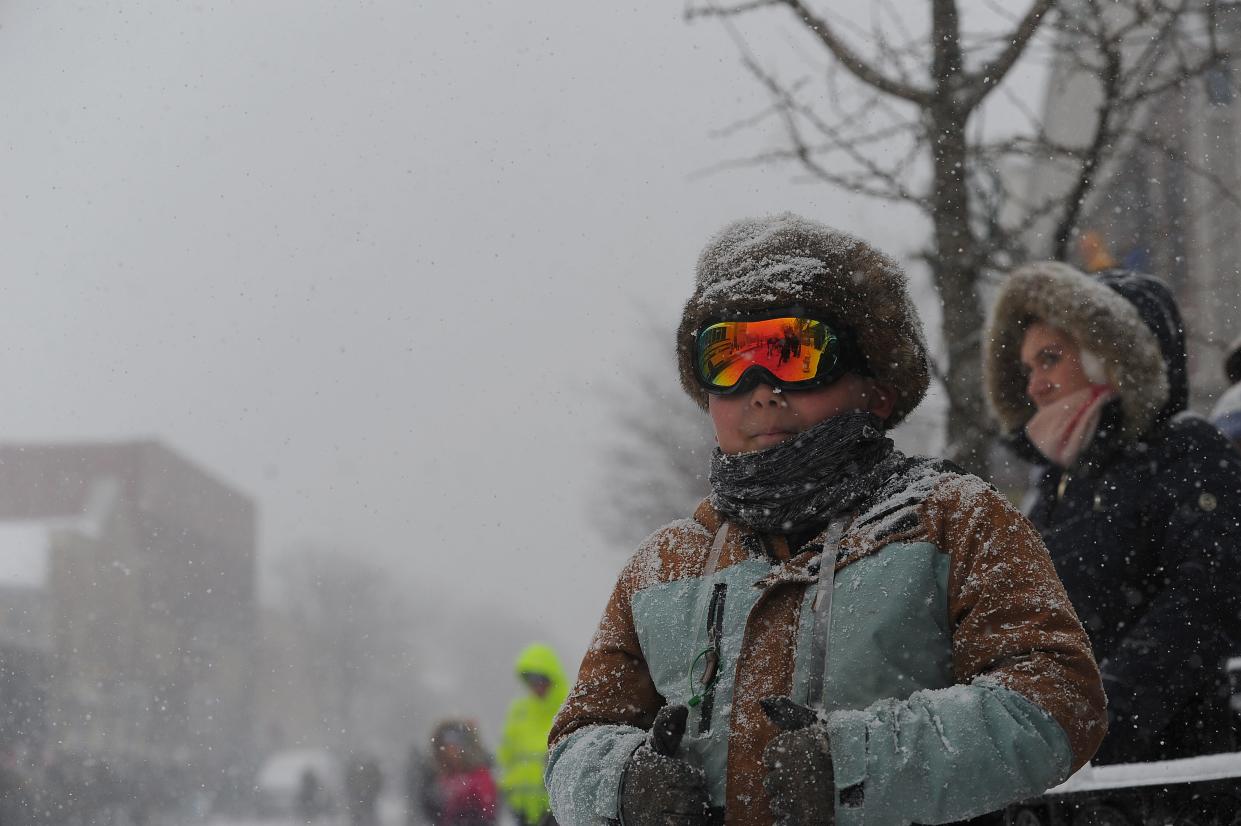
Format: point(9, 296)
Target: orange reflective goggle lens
point(792, 351)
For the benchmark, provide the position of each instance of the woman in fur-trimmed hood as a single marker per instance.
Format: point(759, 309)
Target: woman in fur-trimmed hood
point(1139, 502)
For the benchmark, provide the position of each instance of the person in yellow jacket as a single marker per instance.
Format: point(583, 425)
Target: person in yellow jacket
point(523, 747)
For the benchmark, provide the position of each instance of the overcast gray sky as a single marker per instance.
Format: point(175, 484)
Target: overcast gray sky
point(333, 252)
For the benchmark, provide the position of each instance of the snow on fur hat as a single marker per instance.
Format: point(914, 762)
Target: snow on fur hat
point(781, 260)
point(1098, 317)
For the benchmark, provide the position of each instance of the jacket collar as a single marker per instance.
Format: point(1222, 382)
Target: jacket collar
point(743, 543)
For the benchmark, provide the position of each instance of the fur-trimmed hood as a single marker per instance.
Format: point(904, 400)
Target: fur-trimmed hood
point(1130, 321)
point(781, 260)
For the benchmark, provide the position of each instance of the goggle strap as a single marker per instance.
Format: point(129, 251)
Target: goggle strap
point(717, 547)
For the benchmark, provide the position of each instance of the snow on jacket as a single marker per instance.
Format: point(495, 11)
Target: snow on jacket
point(522, 753)
point(958, 678)
point(1145, 528)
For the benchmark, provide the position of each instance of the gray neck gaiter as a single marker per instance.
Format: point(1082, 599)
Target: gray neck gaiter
point(800, 484)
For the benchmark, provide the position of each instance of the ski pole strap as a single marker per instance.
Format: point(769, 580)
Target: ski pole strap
point(706, 607)
point(821, 612)
point(713, 559)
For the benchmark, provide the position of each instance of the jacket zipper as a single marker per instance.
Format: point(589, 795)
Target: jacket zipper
point(715, 626)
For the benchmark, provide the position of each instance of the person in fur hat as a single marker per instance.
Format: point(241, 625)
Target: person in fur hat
point(1226, 415)
point(839, 633)
point(1138, 501)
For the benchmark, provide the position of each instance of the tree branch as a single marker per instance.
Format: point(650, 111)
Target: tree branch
point(712, 10)
point(985, 80)
point(1177, 156)
point(804, 154)
point(1093, 157)
point(852, 61)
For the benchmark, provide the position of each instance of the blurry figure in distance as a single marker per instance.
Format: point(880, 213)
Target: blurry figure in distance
point(311, 803)
point(457, 788)
point(1227, 412)
point(363, 782)
point(523, 747)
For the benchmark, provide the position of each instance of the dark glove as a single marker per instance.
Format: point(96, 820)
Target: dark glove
point(800, 780)
point(658, 788)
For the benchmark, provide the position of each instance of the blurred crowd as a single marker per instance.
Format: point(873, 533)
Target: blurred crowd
point(88, 791)
point(455, 781)
point(451, 779)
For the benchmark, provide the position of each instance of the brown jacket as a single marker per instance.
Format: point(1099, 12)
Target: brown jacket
point(958, 677)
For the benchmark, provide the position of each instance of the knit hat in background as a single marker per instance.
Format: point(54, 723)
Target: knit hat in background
point(1227, 413)
point(783, 260)
point(1232, 361)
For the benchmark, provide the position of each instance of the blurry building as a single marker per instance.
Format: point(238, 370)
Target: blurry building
point(25, 639)
point(1169, 201)
point(131, 575)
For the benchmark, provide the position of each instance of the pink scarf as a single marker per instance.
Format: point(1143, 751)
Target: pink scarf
point(1062, 429)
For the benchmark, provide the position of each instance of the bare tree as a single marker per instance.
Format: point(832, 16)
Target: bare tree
point(347, 647)
point(899, 117)
point(363, 653)
point(656, 470)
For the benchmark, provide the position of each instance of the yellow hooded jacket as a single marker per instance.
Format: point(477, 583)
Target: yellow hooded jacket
point(523, 747)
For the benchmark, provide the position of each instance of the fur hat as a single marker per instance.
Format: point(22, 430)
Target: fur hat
point(781, 260)
point(1099, 317)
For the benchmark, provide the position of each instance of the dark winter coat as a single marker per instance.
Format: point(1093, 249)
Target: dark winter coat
point(1144, 527)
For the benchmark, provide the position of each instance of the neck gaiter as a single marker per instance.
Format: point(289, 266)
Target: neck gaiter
point(802, 483)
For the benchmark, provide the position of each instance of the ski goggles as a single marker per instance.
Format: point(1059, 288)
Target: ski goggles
point(788, 351)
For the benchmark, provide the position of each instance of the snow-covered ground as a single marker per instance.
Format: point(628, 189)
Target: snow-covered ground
point(282, 821)
point(391, 813)
point(278, 822)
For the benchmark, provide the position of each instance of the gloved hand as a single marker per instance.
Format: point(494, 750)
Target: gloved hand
point(800, 780)
point(660, 789)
